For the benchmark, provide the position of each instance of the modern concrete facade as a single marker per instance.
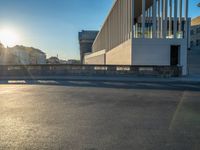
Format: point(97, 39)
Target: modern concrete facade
point(86, 39)
point(195, 33)
point(144, 32)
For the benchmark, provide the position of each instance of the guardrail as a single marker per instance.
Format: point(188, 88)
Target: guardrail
point(87, 70)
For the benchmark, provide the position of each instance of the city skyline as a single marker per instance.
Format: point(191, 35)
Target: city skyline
point(54, 26)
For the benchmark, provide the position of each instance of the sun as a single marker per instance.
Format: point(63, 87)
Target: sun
point(9, 37)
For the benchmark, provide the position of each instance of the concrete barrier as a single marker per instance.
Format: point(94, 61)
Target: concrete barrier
point(87, 70)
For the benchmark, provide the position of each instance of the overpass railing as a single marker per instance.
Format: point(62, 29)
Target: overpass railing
point(87, 70)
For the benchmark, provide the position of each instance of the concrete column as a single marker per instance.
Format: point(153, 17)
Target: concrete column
point(165, 18)
point(170, 17)
point(189, 36)
point(162, 17)
point(129, 19)
point(122, 22)
point(186, 20)
point(186, 35)
point(154, 19)
point(126, 20)
point(151, 21)
point(180, 15)
point(143, 17)
point(175, 19)
point(133, 18)
point(159, 23)
point(147, 22)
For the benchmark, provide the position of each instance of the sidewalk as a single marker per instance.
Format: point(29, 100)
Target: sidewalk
point(194, 78)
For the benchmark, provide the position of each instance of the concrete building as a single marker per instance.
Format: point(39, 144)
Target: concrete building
point(144, 32)
point(73, 61)
point(86, 39)
point(53, 60)
point(195, 33)
point(21, 55)
point(1, 49)
point(6, 57)
point(28, 55)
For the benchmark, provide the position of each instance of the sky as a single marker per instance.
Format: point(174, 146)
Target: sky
point(53, 25)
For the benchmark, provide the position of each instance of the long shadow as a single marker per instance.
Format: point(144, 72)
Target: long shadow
point(177, 86)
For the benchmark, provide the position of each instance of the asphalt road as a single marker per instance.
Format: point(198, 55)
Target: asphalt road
point(100, 116)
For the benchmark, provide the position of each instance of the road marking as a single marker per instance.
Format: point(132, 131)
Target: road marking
point(16, 82)
point(183, 97)
point(10, 89)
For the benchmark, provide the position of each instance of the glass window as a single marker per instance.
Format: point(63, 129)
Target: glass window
point(192, 43)
point(198, 43)
point(198, 30)
point(192, 32)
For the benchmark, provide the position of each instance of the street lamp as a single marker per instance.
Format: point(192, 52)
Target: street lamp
point(198, 4)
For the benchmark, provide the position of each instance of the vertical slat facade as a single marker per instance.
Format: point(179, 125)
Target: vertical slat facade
point(153, 19)
point(117, 27)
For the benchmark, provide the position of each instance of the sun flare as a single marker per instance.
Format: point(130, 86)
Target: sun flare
point(8, 37)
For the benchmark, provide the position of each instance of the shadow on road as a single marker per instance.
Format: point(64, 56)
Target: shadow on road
point(179, 86)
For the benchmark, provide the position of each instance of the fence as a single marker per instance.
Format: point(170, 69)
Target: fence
point(86, 70)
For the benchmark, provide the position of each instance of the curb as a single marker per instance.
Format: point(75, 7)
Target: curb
point(110, 79)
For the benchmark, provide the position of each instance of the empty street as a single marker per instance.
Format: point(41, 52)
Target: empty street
point(74, 115)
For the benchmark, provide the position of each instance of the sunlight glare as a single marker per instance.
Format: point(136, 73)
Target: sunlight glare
point(8, 37)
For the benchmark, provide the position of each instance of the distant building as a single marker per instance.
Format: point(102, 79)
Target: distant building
point(53, 60)
point(6, 57)
point(28, 55)
point(56, 60)
point(195, 33)
point(73, 61)
point(1, 46)
point(21, 55)
point(37, 56)
point(63, 61)
point(86, 39)
point(1, 49)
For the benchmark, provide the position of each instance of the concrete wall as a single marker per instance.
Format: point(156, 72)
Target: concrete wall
point(120, 55)
point(52, 71)
point(157, 52)
point(95, 58)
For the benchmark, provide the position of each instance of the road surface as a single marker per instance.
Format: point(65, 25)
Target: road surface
point(74, 115)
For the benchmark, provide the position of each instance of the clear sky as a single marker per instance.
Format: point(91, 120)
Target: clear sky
point(53, 25)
